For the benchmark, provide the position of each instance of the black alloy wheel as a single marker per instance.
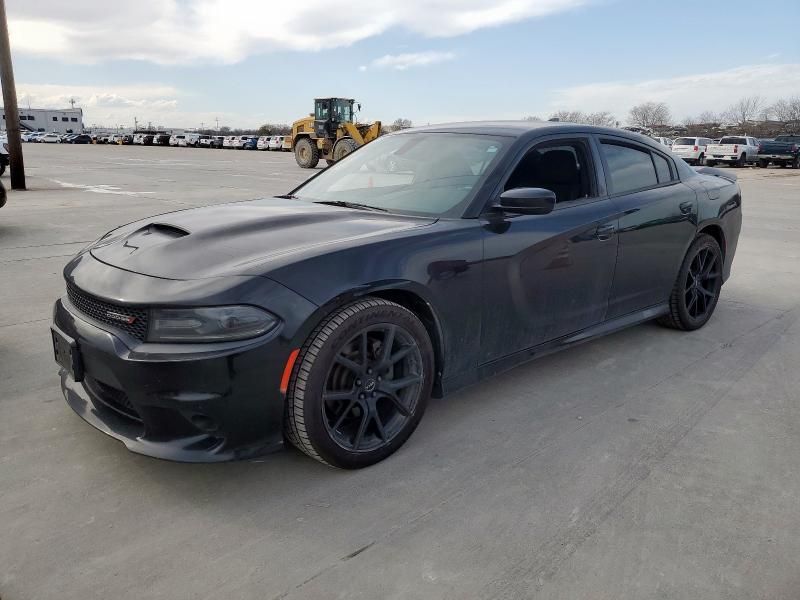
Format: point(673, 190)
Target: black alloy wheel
point(372, 387)
point(697, 289)
point(360, 385)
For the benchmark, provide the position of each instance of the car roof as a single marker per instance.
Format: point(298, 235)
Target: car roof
point(528, 129)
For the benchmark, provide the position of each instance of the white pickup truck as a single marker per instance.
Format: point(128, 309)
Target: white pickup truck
point(737, 151)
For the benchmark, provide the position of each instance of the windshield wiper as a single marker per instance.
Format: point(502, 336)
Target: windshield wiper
point(346, 204)
point(287, 197)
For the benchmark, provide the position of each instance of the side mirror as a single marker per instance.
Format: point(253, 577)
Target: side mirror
point(527, 201)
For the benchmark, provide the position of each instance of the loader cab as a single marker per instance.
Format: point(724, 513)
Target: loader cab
point(329, 113)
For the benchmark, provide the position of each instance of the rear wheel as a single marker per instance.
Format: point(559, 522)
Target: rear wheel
point(361, 384)
point(696, 291)
point(763, 164)
point(343, 147)
point(306, 153)
point(701, 160)
point(741, 162)
point(2, 168)
point(711, 163)
point(783, 164)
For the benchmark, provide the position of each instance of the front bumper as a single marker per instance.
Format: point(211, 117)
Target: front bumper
point(192, 407)
point(185, 402)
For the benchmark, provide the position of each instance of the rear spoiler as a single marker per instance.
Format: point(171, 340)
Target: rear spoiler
point(724, 174)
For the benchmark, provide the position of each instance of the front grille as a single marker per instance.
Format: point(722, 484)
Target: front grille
point(100, 311)
point(115, 399)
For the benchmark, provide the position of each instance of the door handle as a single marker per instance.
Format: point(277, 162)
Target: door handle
point(604, 232)
point(686, 207)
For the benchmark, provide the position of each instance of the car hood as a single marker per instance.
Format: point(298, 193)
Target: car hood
point(242, 238)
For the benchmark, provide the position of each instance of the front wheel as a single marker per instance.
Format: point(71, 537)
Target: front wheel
point(344, 147)
point(697, 288)
point(360, 385)
point(711, 163)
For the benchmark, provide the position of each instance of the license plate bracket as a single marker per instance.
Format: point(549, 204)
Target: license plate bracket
point(67, 354)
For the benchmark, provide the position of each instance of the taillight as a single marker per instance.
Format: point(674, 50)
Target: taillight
point(735, 148)
point(794, 147)
point(759, 147)
point(696, 148)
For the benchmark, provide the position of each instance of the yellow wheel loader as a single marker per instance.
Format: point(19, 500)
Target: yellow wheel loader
point(330, 133)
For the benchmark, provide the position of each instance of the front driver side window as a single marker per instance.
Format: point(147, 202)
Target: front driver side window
point(561, 167)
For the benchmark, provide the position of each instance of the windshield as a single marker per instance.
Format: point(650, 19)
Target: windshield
point(416, 173)
point(733, 140)
point(684, 142)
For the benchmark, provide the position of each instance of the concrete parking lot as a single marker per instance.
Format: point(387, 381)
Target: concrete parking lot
point(648, 464)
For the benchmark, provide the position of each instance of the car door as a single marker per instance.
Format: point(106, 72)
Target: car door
point(548, 275)
point(658, 222)
point(752, 149)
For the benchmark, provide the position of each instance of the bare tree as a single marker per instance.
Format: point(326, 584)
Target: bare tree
point(708, 116)
point(786, 110)
point(744, 110)
point(651, 115)
point(567, 116)
point(532, 118)
point(602, 118)
point(401, 124)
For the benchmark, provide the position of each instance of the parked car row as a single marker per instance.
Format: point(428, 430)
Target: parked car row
point(740, 150)
point(44, 137)
point(193, 140)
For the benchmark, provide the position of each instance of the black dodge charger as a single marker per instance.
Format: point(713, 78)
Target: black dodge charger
point(423, 262)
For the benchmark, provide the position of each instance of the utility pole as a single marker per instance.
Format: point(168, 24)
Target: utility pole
point(17, 164)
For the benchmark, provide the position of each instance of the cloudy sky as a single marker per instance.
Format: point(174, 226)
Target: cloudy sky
point(183, 63)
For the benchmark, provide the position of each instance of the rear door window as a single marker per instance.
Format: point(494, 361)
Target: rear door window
point(629, 168)
point(662, 168)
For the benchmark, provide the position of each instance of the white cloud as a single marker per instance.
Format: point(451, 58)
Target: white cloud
point(180, 31)
point(686, 95)
point(118, 105)
point(401, 62)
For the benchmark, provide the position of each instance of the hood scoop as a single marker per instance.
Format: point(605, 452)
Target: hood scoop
point(163, 230)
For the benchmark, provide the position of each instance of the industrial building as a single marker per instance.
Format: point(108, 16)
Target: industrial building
point(68, 120)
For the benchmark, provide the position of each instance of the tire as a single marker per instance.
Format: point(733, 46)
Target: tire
point(306, 153)
point(368, 414)
point(711, 163)
point(796, 163)
point(763, 164)
point(783, 164)
point(330, 162)
point(2, 169)
point(741, 162)
point(701, 160)
point(687, 297)
point(343, 147)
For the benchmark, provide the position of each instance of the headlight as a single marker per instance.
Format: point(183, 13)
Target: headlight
point(213, 324)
